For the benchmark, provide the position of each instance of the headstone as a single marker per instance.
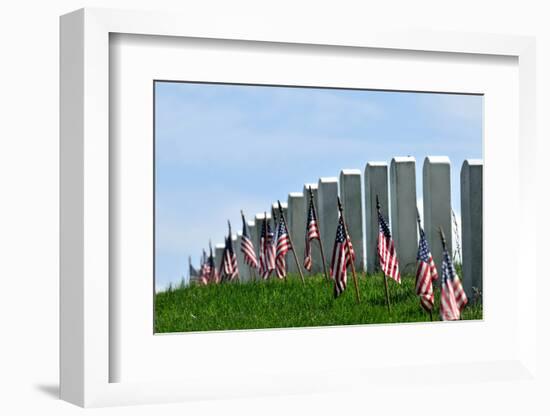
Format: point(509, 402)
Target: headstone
point(350, 194)
point(471, 198)
point(218, 255)
point(403, 211)
point(317, 266)
point(328, 213)
point(436, 188)
point(376, 183)
point(296, 227)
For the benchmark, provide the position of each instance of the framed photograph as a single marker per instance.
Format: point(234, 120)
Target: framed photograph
point(260, 141)
point(237, 208)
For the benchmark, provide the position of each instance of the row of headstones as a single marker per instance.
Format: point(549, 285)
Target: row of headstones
point(400, 192)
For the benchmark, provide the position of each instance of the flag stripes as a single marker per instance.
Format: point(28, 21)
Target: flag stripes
point(342, 256)
point(267, 250)
point(453, 297)
point(247, 247)
point(386, 250)
point(426, 273)
point(211, 273)
point(283, 247)
point(204, 272)
point(229, 266)
point(312, 233)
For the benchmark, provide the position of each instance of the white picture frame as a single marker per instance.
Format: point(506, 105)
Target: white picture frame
point(86, 166)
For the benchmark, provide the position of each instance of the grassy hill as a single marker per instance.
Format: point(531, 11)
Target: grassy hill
point(282, 304)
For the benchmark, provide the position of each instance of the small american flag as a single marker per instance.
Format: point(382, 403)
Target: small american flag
point(312, 232)
point(212, 273)
point(426, 272)
point(342, 257)
point(386, 249)
point(267, 250)
point(247, 247)
point(204, 270)
point(275, 226)
point(283, 247)
point(229, 262)
point(453, 298)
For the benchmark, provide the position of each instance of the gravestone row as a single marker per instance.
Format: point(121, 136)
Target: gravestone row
point(396, 191)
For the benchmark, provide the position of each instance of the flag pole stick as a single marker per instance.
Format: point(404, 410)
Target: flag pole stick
point(356, 284)
point(387, 290)
point(443, 243)
point(283, 219)
point(319, 231)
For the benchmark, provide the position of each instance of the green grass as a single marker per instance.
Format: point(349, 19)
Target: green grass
point(282, 304)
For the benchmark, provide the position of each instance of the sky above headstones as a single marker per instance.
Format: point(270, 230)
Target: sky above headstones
point(222, 148)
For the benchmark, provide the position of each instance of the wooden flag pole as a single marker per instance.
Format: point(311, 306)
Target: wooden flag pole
point(283, 219)
point(385, 277)
point(443, 241)
point(444, 244)
point(341, 210)
point(319, 231)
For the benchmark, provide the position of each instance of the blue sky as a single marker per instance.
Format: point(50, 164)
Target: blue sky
point(220, 148)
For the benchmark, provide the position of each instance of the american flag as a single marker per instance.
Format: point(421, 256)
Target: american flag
point(247, 247)
point(342, 256)
point(312, 233)
point(283, 246)
point(229, 262)
point(386, 249)
point(267, 250)
point(426, 272)
point(204, 270)
point(212, 273)
point(275, 226)
point(453, 298)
